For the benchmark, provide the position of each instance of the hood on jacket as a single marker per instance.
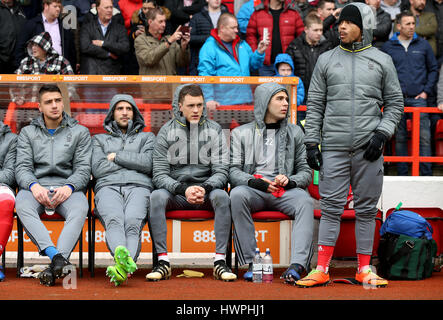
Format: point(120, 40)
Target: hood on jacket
point(137, 122)
point(369, 23)
point(67, 121)
point(176, 108)
point(44, 41)
point(283, 58)
point(262, 95)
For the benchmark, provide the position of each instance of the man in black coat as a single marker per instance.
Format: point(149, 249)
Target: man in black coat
point(63, 40)
point(12, 20)
point(103, 41)
point(381, 33)
point(305, 49)
point(201, 25)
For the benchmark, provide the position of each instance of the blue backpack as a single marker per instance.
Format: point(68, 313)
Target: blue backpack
point(404, 222)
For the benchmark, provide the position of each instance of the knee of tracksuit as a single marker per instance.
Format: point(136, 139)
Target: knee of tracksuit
point(219, 198)
point(239, 194)
point(158, 201)
point(133, 226)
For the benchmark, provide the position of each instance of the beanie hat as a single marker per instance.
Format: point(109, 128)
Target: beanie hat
point(352, 14)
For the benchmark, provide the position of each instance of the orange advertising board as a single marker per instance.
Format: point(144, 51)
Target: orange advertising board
point(200, 237)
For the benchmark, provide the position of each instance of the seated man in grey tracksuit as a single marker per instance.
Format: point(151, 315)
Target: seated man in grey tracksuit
point(122, 167)
point(191, 166)
point(269, 171)
point(53, 151)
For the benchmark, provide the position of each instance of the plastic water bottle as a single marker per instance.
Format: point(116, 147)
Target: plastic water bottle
point(257, 267)
point(268, 270)
point(50, 211)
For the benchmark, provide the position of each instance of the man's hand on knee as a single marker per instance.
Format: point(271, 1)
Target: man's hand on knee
point(41, 195)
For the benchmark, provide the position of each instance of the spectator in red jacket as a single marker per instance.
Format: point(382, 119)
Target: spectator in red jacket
point(283, 23)
point(127, 8)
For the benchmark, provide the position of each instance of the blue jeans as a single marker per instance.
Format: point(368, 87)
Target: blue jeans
point(401, 139)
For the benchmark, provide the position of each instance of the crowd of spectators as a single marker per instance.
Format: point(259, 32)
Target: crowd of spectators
point(184, 37)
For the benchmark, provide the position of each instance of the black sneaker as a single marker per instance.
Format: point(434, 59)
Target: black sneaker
point(162, 271)
point(59, 266)
point(222, 272)
point(293, 273)
point(47, 277)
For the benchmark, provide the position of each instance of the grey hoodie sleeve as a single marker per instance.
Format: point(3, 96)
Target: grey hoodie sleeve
point(24, 169)
point(219, 162)
point(303, 175)
point(81, 163)
point(237, 176)
point(100, 165)
point(7, 175)
point(161, 167)
point(139, 161)
point(316, 103)
point(392, 98)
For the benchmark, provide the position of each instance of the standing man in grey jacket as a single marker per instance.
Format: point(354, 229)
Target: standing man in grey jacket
point(349, 86)
point(53, 151)
point(122, 166)
point(190, 172)
point(268, 171)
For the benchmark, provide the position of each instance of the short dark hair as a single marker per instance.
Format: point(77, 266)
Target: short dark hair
point(322, 3)
point(402, 14)
point(48, 88)
point(193, 90)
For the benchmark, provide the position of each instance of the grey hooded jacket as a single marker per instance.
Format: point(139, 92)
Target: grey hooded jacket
point(8, 145)
point(133, 159)
point(349, 86)
point(180, 160)
point(54, 160)
point(247, 140)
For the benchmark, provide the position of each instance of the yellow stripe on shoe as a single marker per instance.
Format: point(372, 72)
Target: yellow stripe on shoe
point(315, 278)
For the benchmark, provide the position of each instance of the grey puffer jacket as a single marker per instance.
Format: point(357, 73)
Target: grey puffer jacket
point(8, 149)
point(57, 160)
point(180, 160)
point(349, 86)
point(247, 140)
point(133, 159)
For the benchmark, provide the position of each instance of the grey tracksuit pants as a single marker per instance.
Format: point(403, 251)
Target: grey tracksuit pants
point(123, 212)
point(339, 170)
point(295, 203)
point(74, 210)
point(162, 201)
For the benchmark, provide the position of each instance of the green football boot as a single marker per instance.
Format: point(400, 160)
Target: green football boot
point(123, 258)
point(116, 274)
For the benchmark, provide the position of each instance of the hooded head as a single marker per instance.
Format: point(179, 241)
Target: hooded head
point(262, 96)
point(178, 114)
point(283, 58)
point(137, 122)
point(44, 42)
point(363, 17)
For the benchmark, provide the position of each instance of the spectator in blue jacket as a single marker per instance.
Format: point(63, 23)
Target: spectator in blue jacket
point(417, 72)
point(244, 14)
point(224, 54)
point(284, 67)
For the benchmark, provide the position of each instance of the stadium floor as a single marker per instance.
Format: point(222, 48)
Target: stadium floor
point(99, 288)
